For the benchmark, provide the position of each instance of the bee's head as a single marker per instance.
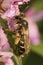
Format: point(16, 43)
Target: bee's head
point(20, 16)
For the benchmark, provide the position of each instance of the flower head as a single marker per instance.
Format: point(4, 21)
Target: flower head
point(12, 7)
point(6, 3)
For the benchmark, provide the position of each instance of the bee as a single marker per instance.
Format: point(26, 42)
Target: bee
point(21, 41)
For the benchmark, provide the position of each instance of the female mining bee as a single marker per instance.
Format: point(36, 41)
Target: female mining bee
point(21, 41)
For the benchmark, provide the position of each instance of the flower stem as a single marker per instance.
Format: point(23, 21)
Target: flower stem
point(18, 60)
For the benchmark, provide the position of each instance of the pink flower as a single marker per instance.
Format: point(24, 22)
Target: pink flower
point(33, 29)
point(12, 11)
point(38, 16)
point(12, 7)
point(5, 57)
point(12, 24)
point(4, 45)
point(6, 4)
point(34, 33)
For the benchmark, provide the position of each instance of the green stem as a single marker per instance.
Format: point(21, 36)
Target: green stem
point(18, 60)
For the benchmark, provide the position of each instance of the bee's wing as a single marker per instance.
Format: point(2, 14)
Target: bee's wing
point(27, 43)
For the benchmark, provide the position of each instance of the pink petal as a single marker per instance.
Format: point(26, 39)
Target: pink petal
point(3, 39)
point(6, 47)
point(9, 62)
point(12, 11)
point(30, 12)
point(38, 16)
point(34, 33)
point(6, 54)
point(6, 4)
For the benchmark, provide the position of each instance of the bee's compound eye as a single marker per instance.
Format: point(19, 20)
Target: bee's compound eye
point(18, 17)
